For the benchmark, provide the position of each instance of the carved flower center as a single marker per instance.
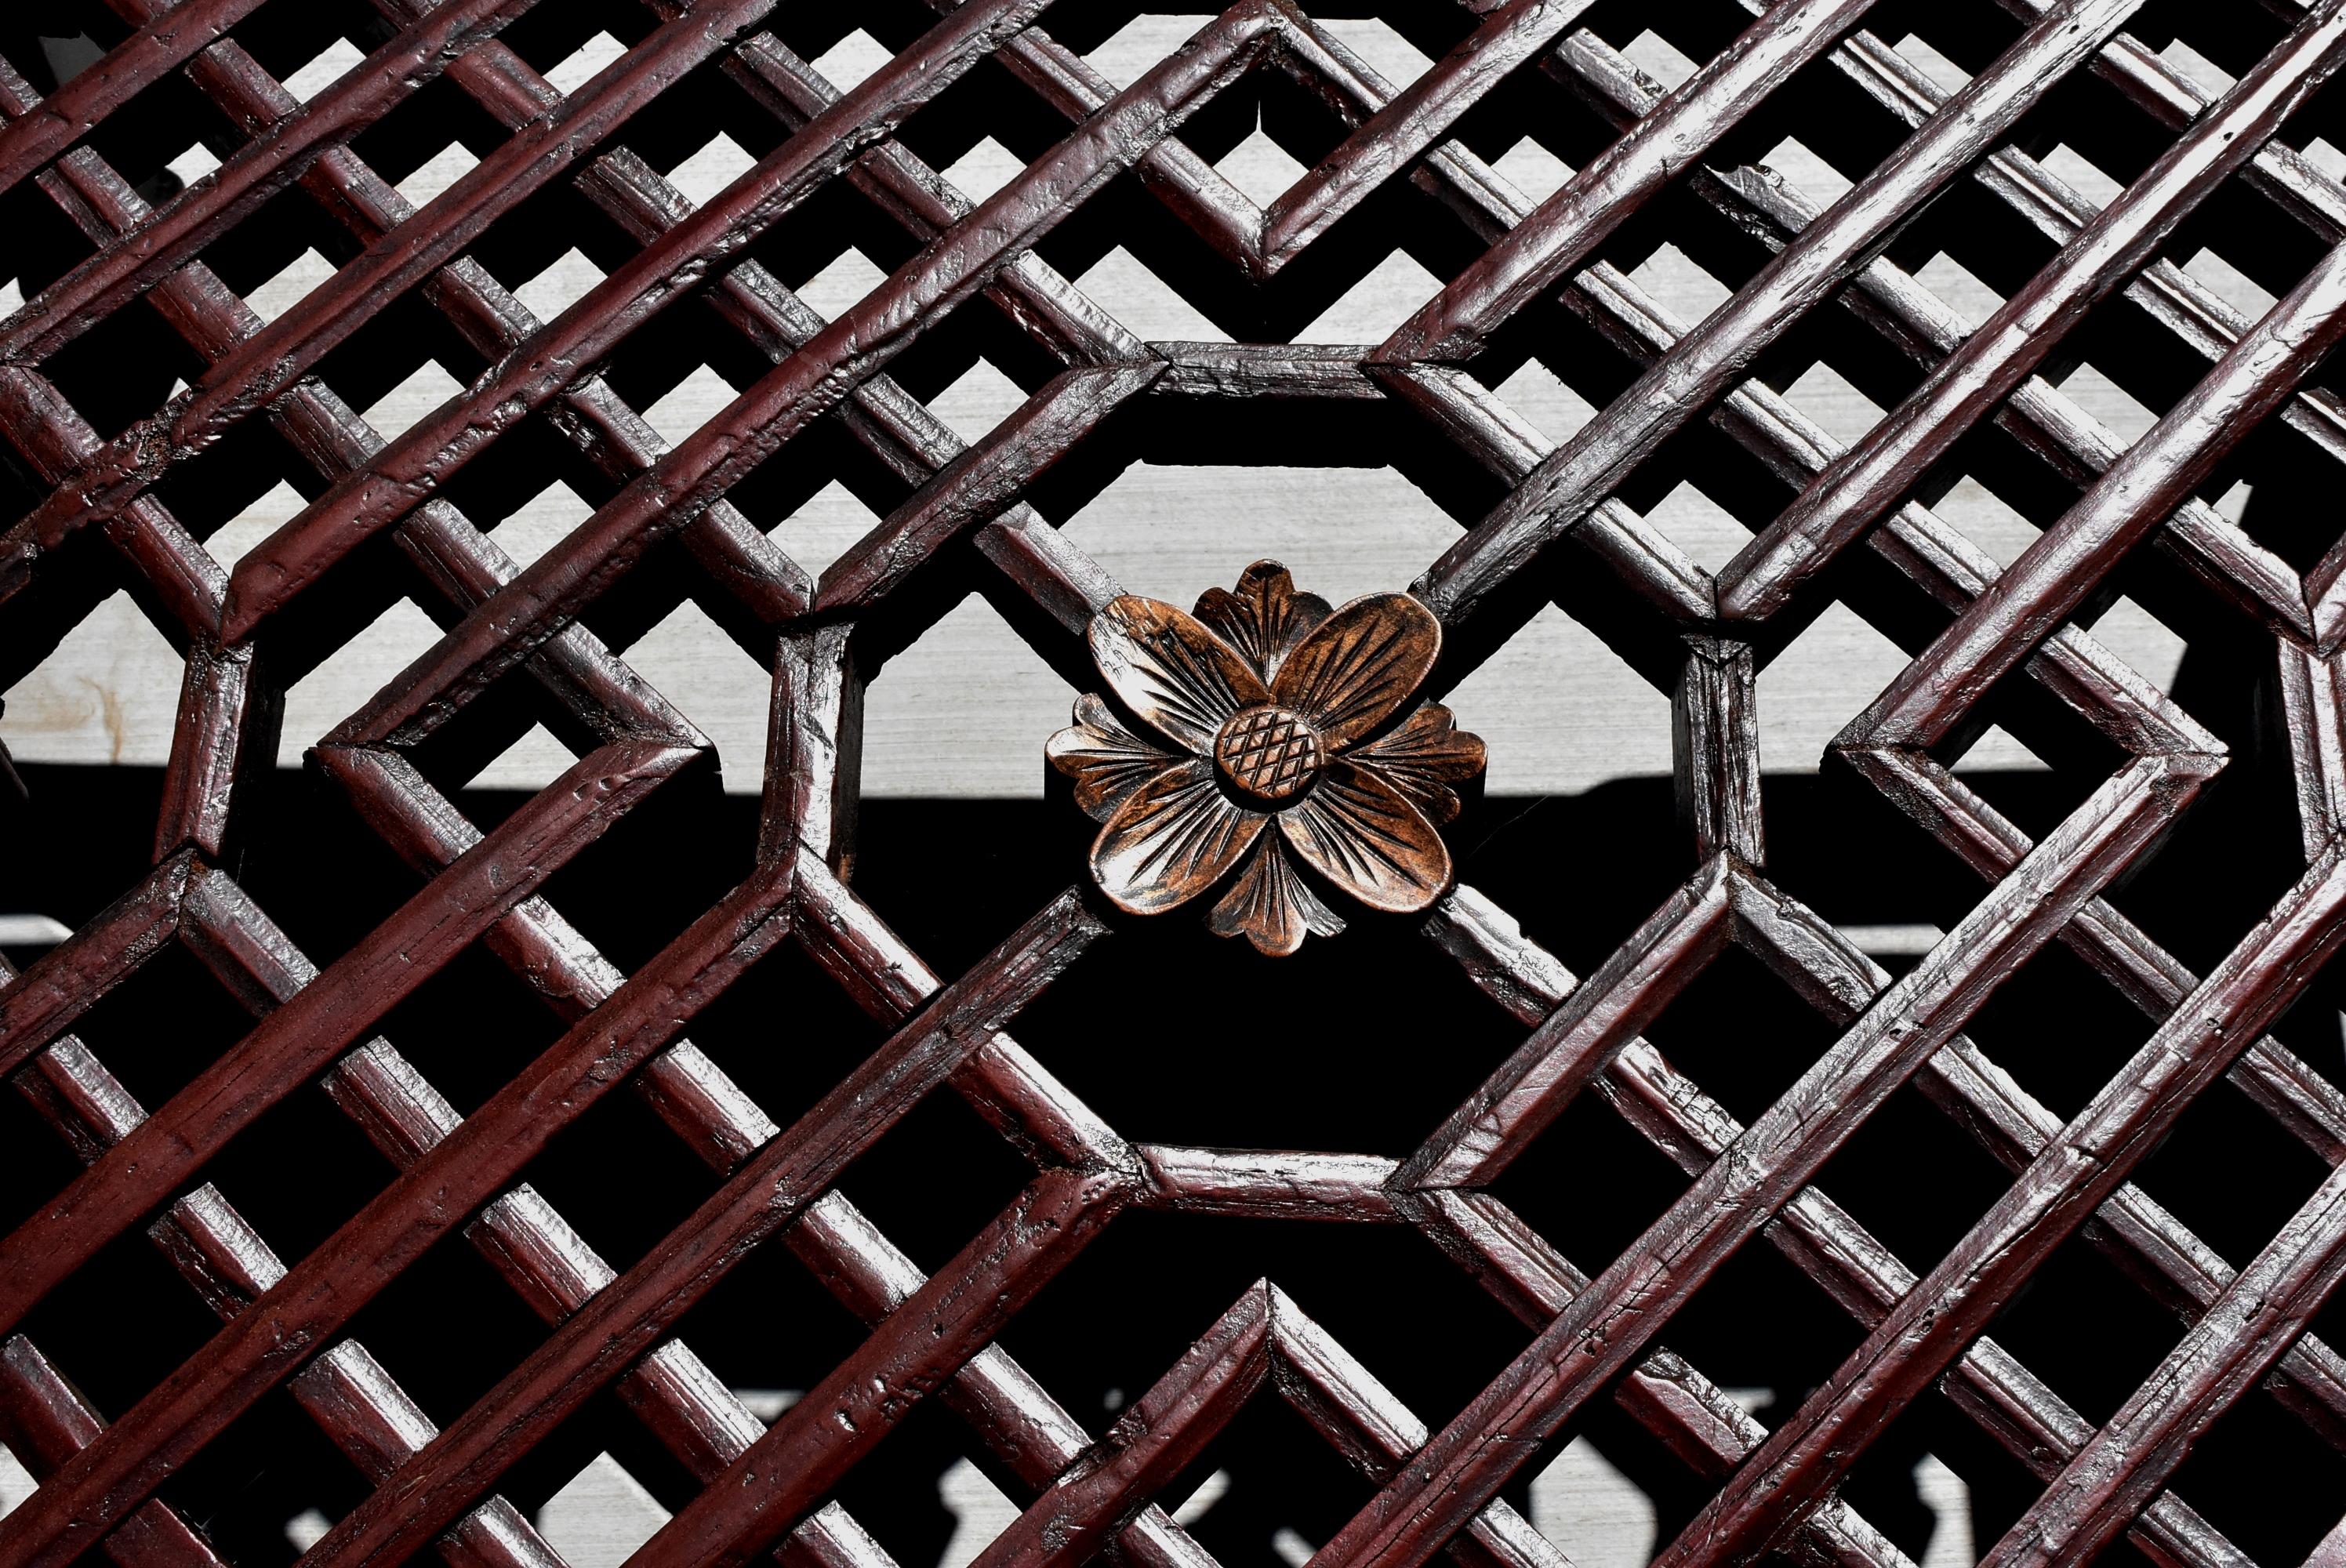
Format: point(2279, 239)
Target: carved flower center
point(1268, 754)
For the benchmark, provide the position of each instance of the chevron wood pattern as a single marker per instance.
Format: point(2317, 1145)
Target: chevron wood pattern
point(1971, 212)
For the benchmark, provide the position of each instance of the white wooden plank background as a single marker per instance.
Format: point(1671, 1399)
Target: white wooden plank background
point(963, 713)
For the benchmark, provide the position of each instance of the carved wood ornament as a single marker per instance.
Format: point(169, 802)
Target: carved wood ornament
point(1269, 725)
point(1267, 758)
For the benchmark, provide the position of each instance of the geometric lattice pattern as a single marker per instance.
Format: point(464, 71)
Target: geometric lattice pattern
point(143, 400)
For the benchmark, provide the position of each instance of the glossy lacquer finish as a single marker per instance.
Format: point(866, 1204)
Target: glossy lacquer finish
point(1271, 763)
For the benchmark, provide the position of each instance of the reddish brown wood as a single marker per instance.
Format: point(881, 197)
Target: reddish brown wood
point(1188, 765)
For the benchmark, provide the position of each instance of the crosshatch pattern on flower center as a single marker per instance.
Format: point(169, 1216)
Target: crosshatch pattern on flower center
point(1269, 753)
point(1709, 338)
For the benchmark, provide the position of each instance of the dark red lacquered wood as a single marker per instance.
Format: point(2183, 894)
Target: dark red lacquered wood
point(977, 514)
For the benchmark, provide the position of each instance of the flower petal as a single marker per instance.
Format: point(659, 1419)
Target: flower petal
point(1171, 671)
point(1359, 665)
point(1265, 616)
point(1272, 906)
point(1106, 761)
point(1364, 835)
point(1170, 839)
point(1423, 757)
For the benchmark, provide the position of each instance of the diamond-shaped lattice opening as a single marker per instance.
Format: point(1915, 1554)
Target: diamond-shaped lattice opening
point(1259, 167)
point(957, 714)
point(420, 393)
point(1367, 312)
point(1708, 533)
point(717, 164)
point(1818, 182)
point(1658, 58)
point(1679, 284)
point(1125, 55)
point(1826, 677)
point(437, 173)
point(287, 286)
point(322, 698)
point(1347, 1048)
point(1148, 305)
point(601, 1516)
point(983, 169)
point(584, 64)
point(1589, 1511)
point(107, 693)
point(2086, 178)
point(324, 69)
point(559, 286)
point(855, 57)
point(1553, 408)
point(689, 404)
point(1536, 171)
point(844, 280)
point(2234, 1465)
point(980, 398)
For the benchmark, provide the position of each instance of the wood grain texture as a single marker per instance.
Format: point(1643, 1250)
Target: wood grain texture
point(1670, 447)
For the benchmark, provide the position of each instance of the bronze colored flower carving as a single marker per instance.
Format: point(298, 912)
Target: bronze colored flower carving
point(1270, 707)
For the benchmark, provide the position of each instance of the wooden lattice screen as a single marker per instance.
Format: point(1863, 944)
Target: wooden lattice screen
point(463, 1025)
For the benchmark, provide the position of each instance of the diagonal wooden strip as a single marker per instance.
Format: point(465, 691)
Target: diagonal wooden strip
point(1577, 477)
point(2074, 1176)
point(1018, 1420)
point(329, 435)
point(81, 105)
point(1376, 1433)
point(41, 1003)
point(1601, 1333)
point(45, 1420)
point(786, 1472)
point(179, 229)
point(2037, 414)
point(44, 426)
point(2250, 1328)
point(228, 1264)
point(1862, 482)
point(2004, 1398)
point(322, 1020)
point(982, 482)
point(1164, 1431)
point(412, 468)
point(262, 370)
point(317, 1296)
point(819, 376)
point(1411, 121)
point(488, 1148)
point(1574, 1042)
point(1569, 225)
point(2052, 577)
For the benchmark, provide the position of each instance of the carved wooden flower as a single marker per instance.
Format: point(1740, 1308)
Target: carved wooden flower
point(1269, 707)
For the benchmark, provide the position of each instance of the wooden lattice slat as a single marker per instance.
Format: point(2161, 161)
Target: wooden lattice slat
point(1562, 522)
